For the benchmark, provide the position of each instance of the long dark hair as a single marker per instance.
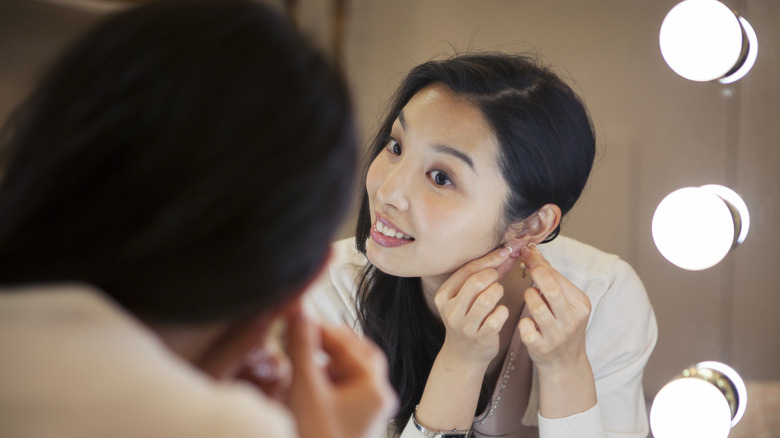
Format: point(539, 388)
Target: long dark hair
point(547, 148)
point(192, 159)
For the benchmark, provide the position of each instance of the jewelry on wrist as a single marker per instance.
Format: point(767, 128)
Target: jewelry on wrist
point(454, 433)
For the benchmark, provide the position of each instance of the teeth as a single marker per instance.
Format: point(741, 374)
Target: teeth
point(389, 232)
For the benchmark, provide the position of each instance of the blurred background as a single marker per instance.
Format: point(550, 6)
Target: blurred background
point(657, 132)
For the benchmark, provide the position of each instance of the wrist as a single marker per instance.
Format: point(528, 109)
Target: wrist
point(455, 356)
point(561, 361)
point(566, 390)
point(438, 409)
point(454, 433)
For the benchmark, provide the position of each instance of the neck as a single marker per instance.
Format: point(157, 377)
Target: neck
point(431, 285)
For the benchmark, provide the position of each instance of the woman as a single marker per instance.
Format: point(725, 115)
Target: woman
point(152, 220)
point(475, 165)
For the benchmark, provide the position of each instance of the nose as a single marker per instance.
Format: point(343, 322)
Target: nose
point(394, 186)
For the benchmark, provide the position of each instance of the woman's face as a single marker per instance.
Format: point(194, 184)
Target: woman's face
point(435, 192)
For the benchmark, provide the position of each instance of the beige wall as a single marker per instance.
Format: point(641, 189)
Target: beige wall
point(657, 132)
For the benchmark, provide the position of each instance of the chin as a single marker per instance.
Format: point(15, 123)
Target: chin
point(373, 254)
point(385, 262)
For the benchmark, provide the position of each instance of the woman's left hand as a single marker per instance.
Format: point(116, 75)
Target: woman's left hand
point(555, 332)
point(555, 337)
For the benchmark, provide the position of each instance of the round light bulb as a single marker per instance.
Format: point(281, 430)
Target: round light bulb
point(751, 55)
point(690, 408)
point(693, 228)
point(701, 40)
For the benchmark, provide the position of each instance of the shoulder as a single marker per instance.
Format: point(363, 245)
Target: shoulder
point(345, 266)
point(344, 253)
point(197, 405)
point(107, 360)
point(332, 297)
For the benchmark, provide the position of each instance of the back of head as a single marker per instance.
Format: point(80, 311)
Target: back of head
point(544, 132)
point(191, 158)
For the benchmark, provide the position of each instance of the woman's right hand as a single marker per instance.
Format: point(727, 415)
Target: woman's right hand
point(350, 396)
point(467, 303)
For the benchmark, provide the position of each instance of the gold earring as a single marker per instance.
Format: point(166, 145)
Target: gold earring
point(522, 266)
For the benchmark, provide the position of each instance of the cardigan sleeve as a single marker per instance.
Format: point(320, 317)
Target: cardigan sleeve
point(620, 338)
point(586, 424)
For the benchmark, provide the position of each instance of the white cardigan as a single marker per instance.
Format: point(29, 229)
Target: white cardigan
point(621, 335)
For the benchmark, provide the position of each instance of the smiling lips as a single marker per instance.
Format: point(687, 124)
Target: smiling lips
point(387, 236)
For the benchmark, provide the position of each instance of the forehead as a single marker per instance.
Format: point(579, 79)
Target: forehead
point(437, 116)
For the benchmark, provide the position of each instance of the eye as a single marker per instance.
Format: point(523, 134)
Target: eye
point(440, 178)
point(393, 147)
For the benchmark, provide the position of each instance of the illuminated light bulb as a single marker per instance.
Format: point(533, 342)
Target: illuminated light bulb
point(694, 228)
point(705, 400)
point(704, 40)
point(690, 408)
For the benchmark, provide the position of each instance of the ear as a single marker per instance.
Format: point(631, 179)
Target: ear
point(533, 229)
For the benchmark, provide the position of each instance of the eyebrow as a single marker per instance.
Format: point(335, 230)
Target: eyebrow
point(449, 150)
point(455, 153)
point(402, 119)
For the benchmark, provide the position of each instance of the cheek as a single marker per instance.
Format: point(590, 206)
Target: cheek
point(374, 178)
point(459, 239)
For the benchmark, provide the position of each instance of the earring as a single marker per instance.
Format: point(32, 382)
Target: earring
point(522, 266)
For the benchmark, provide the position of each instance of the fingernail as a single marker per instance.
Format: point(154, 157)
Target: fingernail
point(525, 251)
point(533, 247)
point(505, 252)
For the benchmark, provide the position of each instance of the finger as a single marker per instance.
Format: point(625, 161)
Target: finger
point(529, 332)
point(303, 341)
point(538, 309)
point(505, 267)
point(494, 322)
point(534, 259)
point(492, 259)
point(483, 306)
point(557, 289)
point(350, 356)
point(546, 277)
point(548, 282)
point(472, 288)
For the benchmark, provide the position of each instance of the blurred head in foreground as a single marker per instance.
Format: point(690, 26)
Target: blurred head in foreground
point(190, 159)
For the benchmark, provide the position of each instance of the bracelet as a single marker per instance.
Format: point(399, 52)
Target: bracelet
point(454, 433)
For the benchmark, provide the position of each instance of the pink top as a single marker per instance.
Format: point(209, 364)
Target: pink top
point(510, 397)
